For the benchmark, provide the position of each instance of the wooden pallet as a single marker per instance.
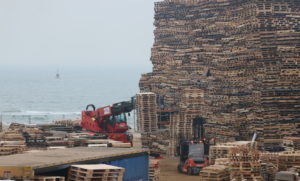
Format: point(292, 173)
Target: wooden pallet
point(95, 172)
point(214, 173)
point(49, 178)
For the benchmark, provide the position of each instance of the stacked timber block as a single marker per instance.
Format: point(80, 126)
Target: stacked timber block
point(222, 161)
point(223, 150)
point(49, 178)
point(146, 111)
point(10, 150)
point(291, 143)
point(11, 142)
point(244, 164)
point(68, 122)
point(233, 62)
point(154, 170)
point(268, 171)
point(219, 151)
point(99, 172)
point(270, 158)
point(288, 160)
point(214, 173)
point(156, 142)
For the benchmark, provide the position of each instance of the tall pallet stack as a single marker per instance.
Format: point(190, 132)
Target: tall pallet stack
point(234, 62)
point(95, 172)
point(146, 112)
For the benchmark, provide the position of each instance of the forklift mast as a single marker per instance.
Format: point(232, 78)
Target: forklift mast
point(198, 128)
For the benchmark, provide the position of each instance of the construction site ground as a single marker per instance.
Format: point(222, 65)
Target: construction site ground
point(168, 171)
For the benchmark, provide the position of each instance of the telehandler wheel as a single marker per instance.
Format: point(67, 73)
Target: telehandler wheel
point(179, 169)
point(190, 171)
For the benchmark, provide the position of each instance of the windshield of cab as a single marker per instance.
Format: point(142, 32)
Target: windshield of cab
point(196, 150)
point(121, 118)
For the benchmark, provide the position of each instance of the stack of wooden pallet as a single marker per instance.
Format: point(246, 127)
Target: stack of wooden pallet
point(222, 161)
point(267, 157)
point(235, 63)
point(268, 171)
point(95, 172)
point(146, 112)
point(8, 150)
point(244, 164)
point(68, 122)
point(288, 160)
point(156, 142)
point(291, 143)
point(223, 150)
point(214, 173)
point(154, 170)
point(12, 142)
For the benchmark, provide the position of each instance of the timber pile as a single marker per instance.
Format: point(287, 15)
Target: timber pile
point(12, 142)
point(234, 62)
point(146, 111)
point(268, 171)
point(154, 170)
point(214, 173)
point(58, 141)
point(95, 172)
point(223, 150)
point(10, 150)
point(244, 164)
point(291, 143)
point(272, 158)
point(288, 160)
point(156, 142)
point(222, 161)
point(68, 122)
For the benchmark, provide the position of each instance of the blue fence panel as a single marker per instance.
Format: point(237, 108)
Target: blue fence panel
point(136, 168)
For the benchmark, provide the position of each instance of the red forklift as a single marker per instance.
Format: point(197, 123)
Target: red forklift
point(194, 153)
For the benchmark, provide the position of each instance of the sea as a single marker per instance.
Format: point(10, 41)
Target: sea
point(34, 95)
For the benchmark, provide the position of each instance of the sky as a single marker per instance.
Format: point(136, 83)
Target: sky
point(76, 32)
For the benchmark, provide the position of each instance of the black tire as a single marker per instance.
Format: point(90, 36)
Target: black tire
point(179, 169)
point(190, 171)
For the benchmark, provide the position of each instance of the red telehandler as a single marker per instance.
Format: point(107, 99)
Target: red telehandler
point(109, 120)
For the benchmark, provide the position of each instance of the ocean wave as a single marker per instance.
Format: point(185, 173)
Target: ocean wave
point(11, 111)
point(38, 113)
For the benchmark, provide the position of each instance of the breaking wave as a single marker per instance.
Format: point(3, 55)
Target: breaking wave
point(37, 113)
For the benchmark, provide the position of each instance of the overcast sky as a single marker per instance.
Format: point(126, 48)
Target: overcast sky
point(76, 32)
